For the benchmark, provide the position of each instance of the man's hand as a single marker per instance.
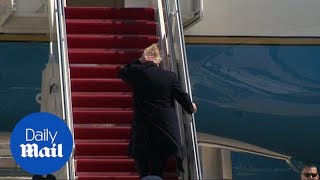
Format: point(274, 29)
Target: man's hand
point(194, 107)
point(147, 58)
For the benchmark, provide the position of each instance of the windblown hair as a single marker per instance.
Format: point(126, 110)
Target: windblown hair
point(154, 50)
point(309, 166)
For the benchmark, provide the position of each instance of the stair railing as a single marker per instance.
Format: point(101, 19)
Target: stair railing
point(170, 31)
point(59, 65)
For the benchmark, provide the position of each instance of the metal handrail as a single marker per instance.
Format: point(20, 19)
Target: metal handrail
point(163, 32)
point(165, 39)
point(65, 80)
point(188, 89)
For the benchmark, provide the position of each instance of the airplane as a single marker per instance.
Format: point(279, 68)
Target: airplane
point(258, 95)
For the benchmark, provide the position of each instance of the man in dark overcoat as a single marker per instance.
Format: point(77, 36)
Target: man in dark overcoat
point(155, 134)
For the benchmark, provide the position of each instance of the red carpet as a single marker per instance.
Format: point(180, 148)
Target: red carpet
point(99, 41)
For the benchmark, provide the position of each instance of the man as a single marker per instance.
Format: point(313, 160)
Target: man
point(309, 172)
point(155, 134)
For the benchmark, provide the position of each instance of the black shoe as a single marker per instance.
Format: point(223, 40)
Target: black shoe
point(44, 177)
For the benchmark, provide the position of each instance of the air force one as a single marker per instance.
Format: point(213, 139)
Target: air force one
point(258, 103)
point(264, 95)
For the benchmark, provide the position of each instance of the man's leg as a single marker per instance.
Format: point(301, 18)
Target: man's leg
point(157, 165)
point(142, 166)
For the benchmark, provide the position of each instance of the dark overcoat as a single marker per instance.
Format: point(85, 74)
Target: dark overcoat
point(155, 128)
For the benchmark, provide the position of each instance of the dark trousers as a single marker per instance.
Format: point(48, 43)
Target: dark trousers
point(151, 166)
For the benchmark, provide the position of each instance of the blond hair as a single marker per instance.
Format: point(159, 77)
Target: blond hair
point(154, 50)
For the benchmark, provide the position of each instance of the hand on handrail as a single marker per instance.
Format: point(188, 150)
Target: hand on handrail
point(195, 108)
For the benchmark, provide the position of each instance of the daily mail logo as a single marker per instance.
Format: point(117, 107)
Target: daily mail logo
point(41, 143)
point(32, 150)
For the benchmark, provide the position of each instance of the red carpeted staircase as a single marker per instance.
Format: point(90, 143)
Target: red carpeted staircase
point(99, 41)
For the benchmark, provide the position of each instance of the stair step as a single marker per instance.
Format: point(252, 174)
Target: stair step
point(14, 174)
point(110, 41)
point(7, 162)
point(99, 85)
point(5, 152)
point(96, 116)
point(118, 176)
point(103, 56)
point(101, 149)
point(101, 26)
point(102, 132)
point(94, 71)
point(102, 157)
point(108, 175)
point(114, 165)
point(5, 142)
point(101, 140)
point(109, 13)
point(96, 99)
point(105, 165)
